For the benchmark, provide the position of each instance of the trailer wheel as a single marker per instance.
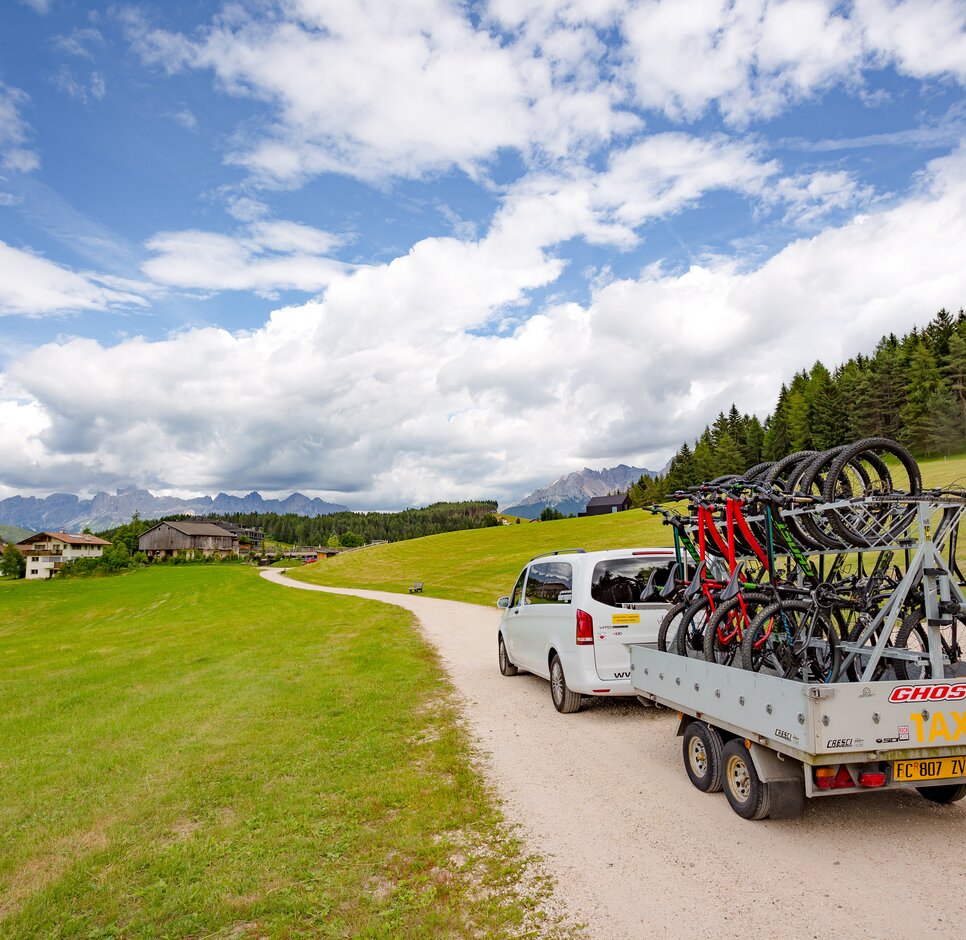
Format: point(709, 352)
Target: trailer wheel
point(506, 667)
point(944, 793)
point(702, 756)
point(746, 792)
point(565, 700)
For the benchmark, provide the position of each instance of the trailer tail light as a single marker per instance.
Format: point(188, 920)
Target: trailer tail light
point(824, 777)
point(585, 629)
point(871, 778)
point(828, 778)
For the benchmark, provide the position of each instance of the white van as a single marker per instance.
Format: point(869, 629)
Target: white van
point(572, 614)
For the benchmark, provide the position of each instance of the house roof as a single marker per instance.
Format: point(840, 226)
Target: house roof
point(67, 537)
point(608, 500)
point(196, 528)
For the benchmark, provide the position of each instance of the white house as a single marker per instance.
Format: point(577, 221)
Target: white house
point(48, 552)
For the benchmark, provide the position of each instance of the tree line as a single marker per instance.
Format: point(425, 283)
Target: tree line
point(911, 389)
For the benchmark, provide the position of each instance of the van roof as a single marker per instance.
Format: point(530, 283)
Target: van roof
point(607, 553)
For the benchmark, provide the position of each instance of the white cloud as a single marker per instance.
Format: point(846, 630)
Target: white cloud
point(438, 93)
point(269, 256)
point(186, 118)
point(384, 391)
point(15, 155)
point(39, 6)
point(34, 286)
point(924, 38)
point(79, 42)
point(80, 88)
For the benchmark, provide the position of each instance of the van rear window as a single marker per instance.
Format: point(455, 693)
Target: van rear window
point(619, 581)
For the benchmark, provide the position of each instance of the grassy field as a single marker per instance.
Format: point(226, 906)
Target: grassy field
point(479, 565)
point(191, 752)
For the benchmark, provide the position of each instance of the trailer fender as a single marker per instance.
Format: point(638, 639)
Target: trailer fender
point(785, 778)
point(773, 767)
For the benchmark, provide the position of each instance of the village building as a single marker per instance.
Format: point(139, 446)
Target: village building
point(249, 539)
point(603, 505)
point(47, 552)
point(167, 539)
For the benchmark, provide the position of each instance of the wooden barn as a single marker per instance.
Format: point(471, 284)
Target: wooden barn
point(603, 505)
point(169, 538)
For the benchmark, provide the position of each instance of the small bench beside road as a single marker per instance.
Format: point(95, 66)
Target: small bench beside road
point(417, 587)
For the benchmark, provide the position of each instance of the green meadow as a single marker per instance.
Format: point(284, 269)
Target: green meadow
point(193, 752)
point(480, 564)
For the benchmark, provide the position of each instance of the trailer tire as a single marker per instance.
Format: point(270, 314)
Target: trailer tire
point(702, 756)
point(944, 793)
point(747, 794)
point(565, 700)
point(506, 667)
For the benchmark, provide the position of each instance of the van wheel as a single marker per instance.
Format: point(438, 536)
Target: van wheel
point(702, 756)
point(506, 667)
point(565, 700)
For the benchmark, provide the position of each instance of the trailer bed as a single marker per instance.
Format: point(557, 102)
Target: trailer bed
point(842, 722)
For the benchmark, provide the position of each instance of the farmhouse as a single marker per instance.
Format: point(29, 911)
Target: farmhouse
point(48, 552)
point(169, 538)
point(602, 505)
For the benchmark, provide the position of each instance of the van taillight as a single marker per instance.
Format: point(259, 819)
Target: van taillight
point(585, 629)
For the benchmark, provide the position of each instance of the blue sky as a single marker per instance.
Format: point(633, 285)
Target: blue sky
point(388, 253)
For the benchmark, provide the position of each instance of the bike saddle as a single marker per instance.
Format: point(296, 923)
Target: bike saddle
point(733, 587)
point(671, 585)
point(695, 586)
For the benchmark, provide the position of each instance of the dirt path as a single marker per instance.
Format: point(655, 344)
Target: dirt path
point(638, 853)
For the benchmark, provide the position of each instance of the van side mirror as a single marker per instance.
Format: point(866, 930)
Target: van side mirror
point(503, 602)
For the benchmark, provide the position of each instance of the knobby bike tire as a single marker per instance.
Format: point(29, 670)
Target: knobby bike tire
point(868, 448)
point(769, 645)
point(669, 620)
point(689, 640)
point(780, 470)
point(816, 531)
point(914, 629)
point(722, 635)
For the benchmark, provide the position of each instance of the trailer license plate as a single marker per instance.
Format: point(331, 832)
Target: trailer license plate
point(938, 768)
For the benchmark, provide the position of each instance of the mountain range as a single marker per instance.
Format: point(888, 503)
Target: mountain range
point(64, 512)
point(571, 493)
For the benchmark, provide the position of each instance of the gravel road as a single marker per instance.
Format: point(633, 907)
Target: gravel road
point(637, 852)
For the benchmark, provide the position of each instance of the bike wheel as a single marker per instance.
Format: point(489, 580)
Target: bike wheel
point(726, 628)
point(873, 467)
point(782, 469)
point(856, 668)
point(793, 640)
point(689, 640)
point(812, 529)
point(913, 637)
point(668, 630)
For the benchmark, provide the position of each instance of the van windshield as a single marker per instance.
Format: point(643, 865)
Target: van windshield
point(619, 581)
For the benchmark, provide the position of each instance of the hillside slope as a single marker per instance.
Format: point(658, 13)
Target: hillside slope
point(481, 565)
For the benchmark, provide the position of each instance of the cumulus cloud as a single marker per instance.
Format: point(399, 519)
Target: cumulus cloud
point(440, 93)
point(34, 286)
point(385, 389)
point(268, 256)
